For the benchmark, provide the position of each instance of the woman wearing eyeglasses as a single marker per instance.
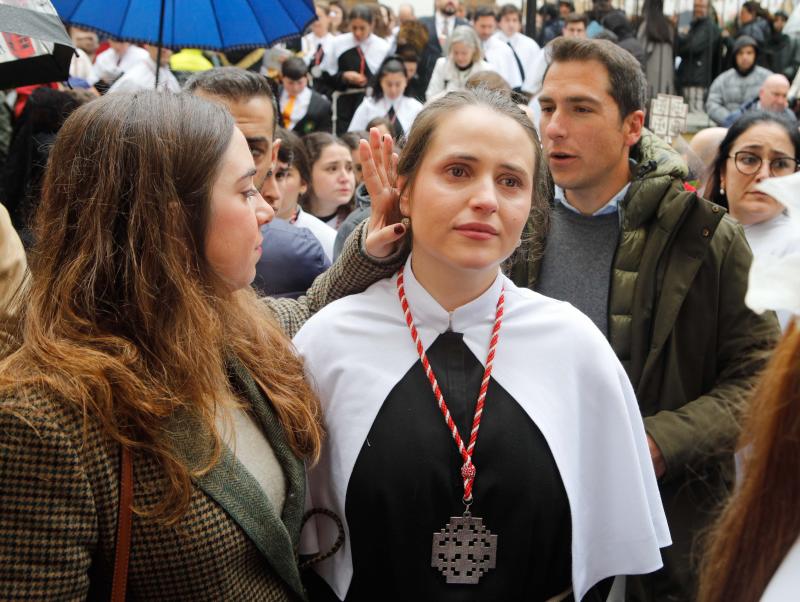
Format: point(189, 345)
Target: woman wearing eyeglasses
point(758, 146)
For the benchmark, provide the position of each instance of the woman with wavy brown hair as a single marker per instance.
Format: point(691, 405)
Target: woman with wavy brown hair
point(140, 337)
point(752, 552)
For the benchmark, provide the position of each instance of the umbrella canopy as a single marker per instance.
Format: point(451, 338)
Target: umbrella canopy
point(208, 24)
point(34, 46)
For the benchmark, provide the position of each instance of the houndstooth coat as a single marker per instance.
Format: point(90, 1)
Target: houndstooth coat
point(59, 493)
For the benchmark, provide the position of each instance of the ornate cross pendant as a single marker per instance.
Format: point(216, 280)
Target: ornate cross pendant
point(464, 550)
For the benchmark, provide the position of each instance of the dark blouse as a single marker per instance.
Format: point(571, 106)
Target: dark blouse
point(346, 106)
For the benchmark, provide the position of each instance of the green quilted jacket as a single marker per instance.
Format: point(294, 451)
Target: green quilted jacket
point(690, 346)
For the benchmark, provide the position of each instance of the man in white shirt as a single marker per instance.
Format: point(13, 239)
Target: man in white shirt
point(119, 58)
point(526, 50)
point(499, 55)
point(302, 110)
point(142, 76)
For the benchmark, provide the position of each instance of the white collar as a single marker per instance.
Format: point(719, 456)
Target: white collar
point(612, 206)
point(428, 314)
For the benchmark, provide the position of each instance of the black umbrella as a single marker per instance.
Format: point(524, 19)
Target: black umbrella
point(34, 46)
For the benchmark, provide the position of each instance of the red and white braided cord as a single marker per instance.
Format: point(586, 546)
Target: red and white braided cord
point(468, 469)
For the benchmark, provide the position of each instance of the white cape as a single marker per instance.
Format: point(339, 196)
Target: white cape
point(551, 359)
point(374, 48)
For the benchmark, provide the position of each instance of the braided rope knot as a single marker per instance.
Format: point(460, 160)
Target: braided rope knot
point(468, 470)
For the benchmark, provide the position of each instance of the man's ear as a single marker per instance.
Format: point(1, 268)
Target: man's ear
point(405, 191)
point(276, 145)
point(632, 127)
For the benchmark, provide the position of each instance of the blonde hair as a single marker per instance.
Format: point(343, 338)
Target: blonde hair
point(464, 34)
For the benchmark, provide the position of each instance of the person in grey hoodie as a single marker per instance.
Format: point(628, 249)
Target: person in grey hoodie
point(737, 85)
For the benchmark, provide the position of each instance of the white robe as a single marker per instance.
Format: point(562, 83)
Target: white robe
point(309, 44)
point(551, 359)
point(405, 109)
point(374, 48)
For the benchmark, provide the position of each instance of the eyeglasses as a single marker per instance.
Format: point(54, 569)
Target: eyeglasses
point(749, 164)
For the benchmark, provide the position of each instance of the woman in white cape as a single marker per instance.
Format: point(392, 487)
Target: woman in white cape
point(552, 490)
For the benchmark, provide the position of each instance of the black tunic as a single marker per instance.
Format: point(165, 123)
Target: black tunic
point(346, 106)
point(406, 485)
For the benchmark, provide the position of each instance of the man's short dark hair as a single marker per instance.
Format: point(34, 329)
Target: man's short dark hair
point(294, 68)
point(233, 84)
point(509, 9)
point(576, 18)
point(568, 3)
point(485, 11)
point(627, 83)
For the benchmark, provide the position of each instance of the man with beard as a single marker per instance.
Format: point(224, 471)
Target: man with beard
point(737, 85)
point(440, 26)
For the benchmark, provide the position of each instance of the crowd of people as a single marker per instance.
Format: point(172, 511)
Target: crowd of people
point(405, 308)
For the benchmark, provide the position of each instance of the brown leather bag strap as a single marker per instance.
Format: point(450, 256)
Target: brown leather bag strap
point(122, 553)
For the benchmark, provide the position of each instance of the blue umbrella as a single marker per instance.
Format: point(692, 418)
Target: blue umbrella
point(208, 24)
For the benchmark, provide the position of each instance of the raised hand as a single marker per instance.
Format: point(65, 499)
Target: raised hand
point(379, 165)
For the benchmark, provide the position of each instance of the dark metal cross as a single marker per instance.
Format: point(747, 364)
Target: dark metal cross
point(464, 550)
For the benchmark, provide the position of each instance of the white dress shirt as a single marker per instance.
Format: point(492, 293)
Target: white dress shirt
point(528, 52)
point(501, 59)
point(299, 109)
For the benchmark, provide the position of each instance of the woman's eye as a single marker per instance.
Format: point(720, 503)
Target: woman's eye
point(782, 164)
point(749, 159)
point(510, 182)
point(457, 171)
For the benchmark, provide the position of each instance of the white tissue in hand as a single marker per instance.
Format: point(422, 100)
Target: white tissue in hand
point(775, 281)
point(786, 191)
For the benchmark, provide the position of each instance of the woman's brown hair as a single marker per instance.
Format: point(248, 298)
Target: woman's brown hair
point(761, 521)
point(124, 318)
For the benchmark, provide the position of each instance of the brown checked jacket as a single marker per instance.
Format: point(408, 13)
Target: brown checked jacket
point(59, 491)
